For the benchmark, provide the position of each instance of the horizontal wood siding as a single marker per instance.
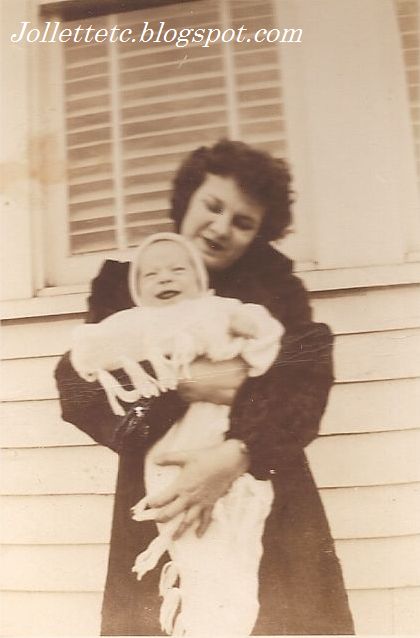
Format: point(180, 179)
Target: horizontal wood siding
point(77, 614)
point(57, 488)
point(338, 461)
point(362, 357)
point(382, 563)
point(354, 512)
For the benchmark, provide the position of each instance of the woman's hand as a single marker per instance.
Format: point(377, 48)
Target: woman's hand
point(205, 476)
point(216, 382)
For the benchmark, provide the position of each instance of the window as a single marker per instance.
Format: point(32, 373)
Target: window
point(130, 112)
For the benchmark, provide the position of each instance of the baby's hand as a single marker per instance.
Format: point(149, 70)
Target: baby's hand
point(242, 324)
point(185, 350)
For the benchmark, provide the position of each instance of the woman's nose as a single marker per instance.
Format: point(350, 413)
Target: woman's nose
point(221, 224)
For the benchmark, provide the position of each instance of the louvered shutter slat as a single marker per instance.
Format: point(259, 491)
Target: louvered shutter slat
point(87, 122)
point(98, 240)
point(146, 165)
point(86, 173)
point(94, 210)
point(154, 109)
point(207, 84)
point(143, 58)
point(81, 71)
point(246, 10)
point(88, 156)
point(89, 104)
point(189, 121)
point(143, 202)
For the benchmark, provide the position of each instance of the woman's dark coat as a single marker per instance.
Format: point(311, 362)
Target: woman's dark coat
point(278, 414)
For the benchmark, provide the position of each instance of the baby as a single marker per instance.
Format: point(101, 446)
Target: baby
point(177, 320)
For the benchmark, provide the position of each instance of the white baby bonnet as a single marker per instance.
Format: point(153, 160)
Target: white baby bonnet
point(192, 251)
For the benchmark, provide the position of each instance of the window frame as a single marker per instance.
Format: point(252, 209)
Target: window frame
point(59, 274)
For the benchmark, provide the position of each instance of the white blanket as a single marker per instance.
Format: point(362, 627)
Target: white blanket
point(170, 338)
point(210, 587)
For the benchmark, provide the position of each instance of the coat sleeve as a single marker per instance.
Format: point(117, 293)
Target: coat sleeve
point(85, 405)
point(279, 413)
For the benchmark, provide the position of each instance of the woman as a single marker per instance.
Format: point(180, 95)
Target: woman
point(231, 201)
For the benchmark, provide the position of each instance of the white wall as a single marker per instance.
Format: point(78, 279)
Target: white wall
point(57, 492)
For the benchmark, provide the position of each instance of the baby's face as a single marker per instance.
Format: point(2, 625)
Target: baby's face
point(166, 274)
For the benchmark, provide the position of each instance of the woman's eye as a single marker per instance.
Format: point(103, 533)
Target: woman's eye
point(243, 223)
point(214, 207)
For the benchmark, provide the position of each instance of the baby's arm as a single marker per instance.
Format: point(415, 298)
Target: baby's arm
point(261, 333)
point(244, 321)
point(116, 343)
point(92, 350)
point(107, 345)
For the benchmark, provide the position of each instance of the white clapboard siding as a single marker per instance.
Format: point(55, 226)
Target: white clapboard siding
point(63, 519)
point(53, 567)
point(378, 563)
point(38, 337)
point(373, 406)
point(362, 357)
point(386, 611)
point(78, 614)
point(354, 310)
point(366, 459)
point(37, 424)
point(364, 512)
point(51, 613)
point(373, 512)
point(351, 312)
point(352, 408)
point(29, 379)
point(58, 485)
point(368, 310)
point(381, 355)
point(406, 611)
point(338, 461)
point(72, 470)
point(372, 611)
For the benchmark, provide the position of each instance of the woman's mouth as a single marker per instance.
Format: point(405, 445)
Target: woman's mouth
point(213, 245)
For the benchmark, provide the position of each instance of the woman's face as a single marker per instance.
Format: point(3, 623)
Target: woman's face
point(222, 221)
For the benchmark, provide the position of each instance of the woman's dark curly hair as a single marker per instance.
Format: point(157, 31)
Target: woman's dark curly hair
point(261, 178)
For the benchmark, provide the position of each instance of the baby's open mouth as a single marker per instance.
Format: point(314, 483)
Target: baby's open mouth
point(167, 294)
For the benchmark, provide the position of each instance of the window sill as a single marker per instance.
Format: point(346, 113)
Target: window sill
point(65, 300)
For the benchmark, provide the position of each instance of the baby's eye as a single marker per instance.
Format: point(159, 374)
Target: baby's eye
point(149, 274)
point(178, 269)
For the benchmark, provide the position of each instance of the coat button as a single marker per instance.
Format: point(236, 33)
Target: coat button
point(144, 430)
point(272, 471)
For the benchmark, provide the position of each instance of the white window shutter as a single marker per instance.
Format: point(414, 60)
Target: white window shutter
point(133, 111)
point(408, 12)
